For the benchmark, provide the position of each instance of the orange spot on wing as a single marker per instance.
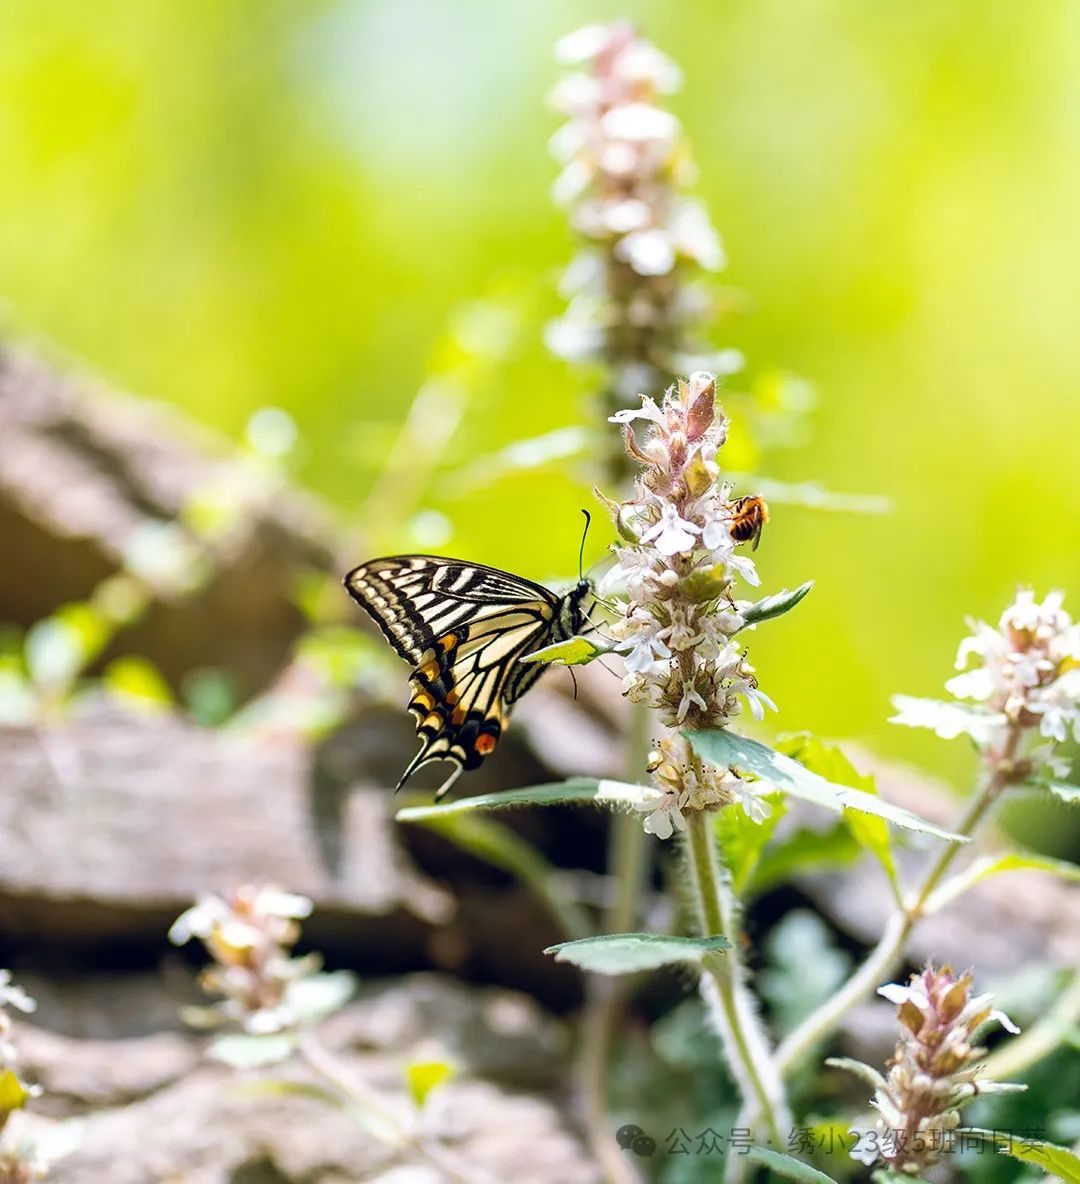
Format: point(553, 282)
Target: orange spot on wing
point(448, 642)
point(485, 743)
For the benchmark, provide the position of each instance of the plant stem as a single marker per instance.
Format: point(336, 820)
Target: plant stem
point(626, 859)
point(884, 958)
point(723, 985)
point(380, 1121)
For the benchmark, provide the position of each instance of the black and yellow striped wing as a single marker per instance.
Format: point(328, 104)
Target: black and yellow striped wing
point(463, 627)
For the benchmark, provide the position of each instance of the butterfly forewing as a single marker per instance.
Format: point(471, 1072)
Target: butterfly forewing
point(464, 628)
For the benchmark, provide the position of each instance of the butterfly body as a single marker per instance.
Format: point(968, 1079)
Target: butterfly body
point(464, 628)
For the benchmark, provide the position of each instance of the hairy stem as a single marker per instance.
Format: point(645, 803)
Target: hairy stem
point(724, 988)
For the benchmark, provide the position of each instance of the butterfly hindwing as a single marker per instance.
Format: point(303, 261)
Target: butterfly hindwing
point(464, 628)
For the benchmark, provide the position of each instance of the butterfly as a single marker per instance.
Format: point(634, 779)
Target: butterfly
point(464, 628)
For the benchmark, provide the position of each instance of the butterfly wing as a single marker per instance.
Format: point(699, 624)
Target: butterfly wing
point(463, 627)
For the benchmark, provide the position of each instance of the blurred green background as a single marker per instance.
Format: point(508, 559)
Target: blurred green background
point(324, 206)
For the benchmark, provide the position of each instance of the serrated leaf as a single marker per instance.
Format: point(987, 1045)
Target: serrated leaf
point(242, 1051)
point(1054, 1160)
point(581, 790)
point(423, 1076)
point(575, 651)
point(787, 1166)
point(870, 832)
point(992, 865)
point(627, 953)
point(776, 605)
point(725, 748)
point(947, 720)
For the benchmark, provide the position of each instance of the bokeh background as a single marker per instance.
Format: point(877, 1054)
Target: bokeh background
point(329, 207)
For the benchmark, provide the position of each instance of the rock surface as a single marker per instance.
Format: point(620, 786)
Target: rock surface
point(153, 1111)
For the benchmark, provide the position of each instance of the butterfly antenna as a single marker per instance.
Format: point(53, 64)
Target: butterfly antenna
point(581, 549)
point(573, 677)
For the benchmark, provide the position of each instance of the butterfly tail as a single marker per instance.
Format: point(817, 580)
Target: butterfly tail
point(423, 757)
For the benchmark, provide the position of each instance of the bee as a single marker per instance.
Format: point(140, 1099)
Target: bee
point(749, 518)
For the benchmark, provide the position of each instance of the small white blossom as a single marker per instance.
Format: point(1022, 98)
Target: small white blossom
point(664, 816)
point(672, 535)
point(623, 169)
point(936, 1069)
point(649, 252)
point(1025, 683)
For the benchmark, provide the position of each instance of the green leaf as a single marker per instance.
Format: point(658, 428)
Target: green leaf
point(805, 850)
point(13, 1094)
point(867, 1072)
point(946, 719)
point(1054, 1160)
point(992, 865)
point(575, 651)
point(317, 996)
point(498, 845)
point(725, 748)
point(138, 679)
point(776, 605)
point(574, 790)
point(626, 953)
point(707, 583)
point(1060, 789)
point(743, 840)
point(424, 1076)
point(787, 1166)
point(870, 832)
point(242, 1051)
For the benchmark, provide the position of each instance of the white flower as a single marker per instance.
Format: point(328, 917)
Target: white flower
point(571, 183)
point(664, 817)
point(639, 122)
point(622, 217)
point(14, 996)
point(693, 235)
point(200, 920)
point(647, 410)
point(750, 795)
point(582, 45)
point(690, 697)
point(672, 535)
point(642, 62)
point(755, 697)
point(648, 252)
point(903, 993)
